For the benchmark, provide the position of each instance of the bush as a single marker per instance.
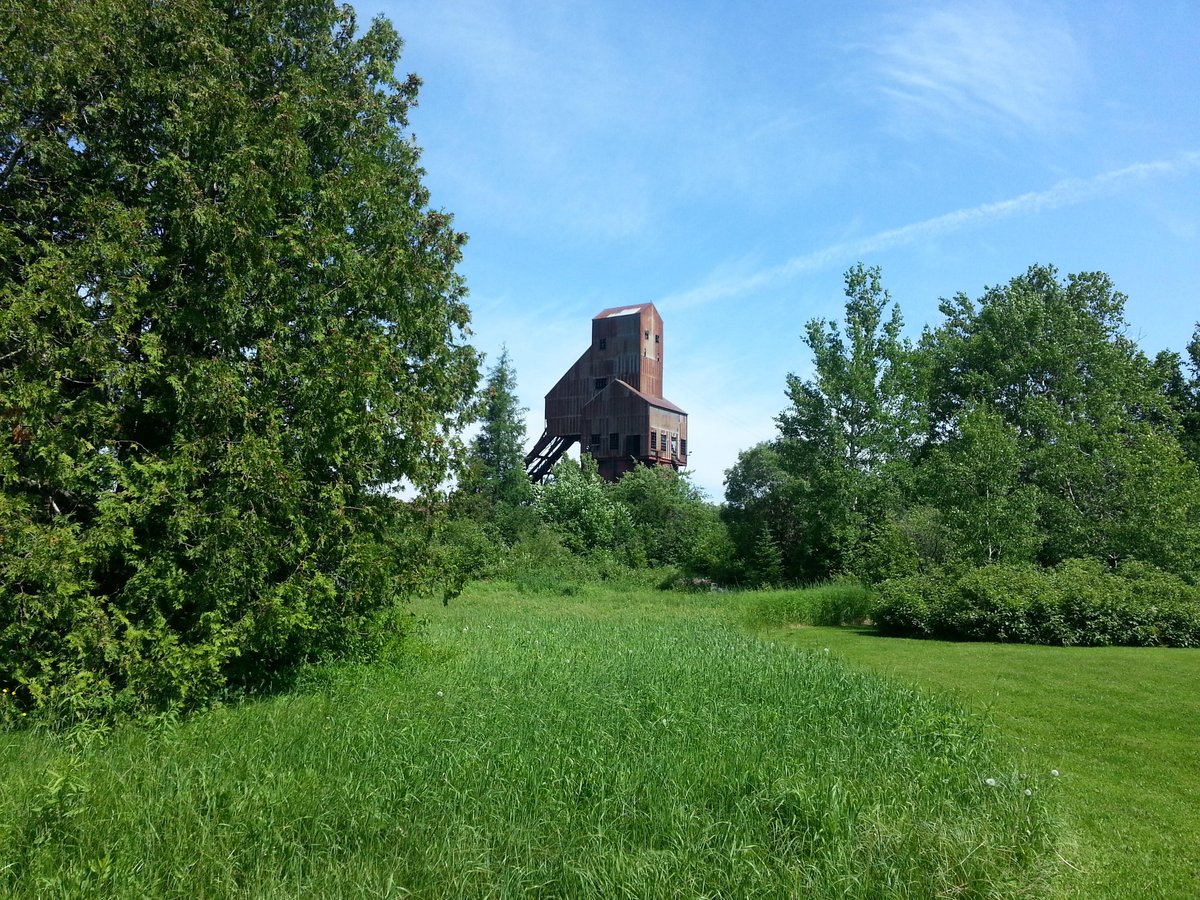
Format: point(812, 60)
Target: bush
point(1077, 603)
point(906, 606)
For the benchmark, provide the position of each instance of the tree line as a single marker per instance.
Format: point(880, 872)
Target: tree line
point(1026, 427)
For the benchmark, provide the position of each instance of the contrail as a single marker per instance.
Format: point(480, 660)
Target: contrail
point(1065, 193)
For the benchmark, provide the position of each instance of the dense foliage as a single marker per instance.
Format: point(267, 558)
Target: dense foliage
point(1078, 602)
point(652, 526)
point(1027, 427)
point(228, 318)
point(1024, 448)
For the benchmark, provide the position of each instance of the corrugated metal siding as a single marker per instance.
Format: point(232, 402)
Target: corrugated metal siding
point(627, 344)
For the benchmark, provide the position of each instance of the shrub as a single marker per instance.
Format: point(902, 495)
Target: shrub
point(908, 606)
point(1079, 602)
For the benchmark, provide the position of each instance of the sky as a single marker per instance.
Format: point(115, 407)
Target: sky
point(729, 162)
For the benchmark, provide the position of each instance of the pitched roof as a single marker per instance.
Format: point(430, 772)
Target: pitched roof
point(614, 311)
point(660, 402)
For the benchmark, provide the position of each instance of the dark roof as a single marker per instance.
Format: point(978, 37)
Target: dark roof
point(660, 402)
point(628, 310)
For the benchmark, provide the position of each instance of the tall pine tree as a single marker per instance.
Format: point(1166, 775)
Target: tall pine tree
point(495, 472)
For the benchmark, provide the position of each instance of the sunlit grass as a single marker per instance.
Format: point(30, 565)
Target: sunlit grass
point(614, 743)
point(1119, 724)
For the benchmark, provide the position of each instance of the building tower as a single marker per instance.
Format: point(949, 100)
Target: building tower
point(611, 400)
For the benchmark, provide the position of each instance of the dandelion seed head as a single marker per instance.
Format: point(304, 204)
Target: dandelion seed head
point(1054, 772)
point(1028, 792)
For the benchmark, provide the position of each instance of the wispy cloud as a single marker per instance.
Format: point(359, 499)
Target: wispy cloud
point(960, 69)
point(1068, 192)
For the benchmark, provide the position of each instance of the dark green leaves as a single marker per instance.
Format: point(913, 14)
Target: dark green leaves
point(228, 319)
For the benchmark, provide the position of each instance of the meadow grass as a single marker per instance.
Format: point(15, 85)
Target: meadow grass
point(1119, 724)
point(827, 603)
point(612, 743)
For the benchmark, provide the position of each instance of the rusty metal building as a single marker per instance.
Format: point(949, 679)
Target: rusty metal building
point(611, 400)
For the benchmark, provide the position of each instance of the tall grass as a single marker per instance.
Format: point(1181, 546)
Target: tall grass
point(827, 603)
point(1118, 723)
point(609, 744)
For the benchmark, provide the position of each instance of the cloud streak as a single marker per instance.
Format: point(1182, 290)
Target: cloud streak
point(1068, 192)
point(964, 67)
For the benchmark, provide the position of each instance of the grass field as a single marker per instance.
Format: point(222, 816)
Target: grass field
point(613, 743)
point(1121, 725)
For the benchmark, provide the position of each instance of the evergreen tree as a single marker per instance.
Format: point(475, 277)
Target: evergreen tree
point(496, 461)
point(228, 318)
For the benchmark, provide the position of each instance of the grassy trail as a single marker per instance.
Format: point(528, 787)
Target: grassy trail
point(610, 744)
point(1122, 725)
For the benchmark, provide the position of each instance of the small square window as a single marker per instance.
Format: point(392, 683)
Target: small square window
point(595, 441)
point(603, 343)
point(614, 441)
point(601, 383)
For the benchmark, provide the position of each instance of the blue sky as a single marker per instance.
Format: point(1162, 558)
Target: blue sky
point(729, 161)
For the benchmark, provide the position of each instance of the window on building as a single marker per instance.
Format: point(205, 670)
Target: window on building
point(654, 440)
point(614, 441)
point(595, 441)
point(662, 441)
point(647, 334)
point(656, 337)
point(683, 447)
point(674, 448)
point(633, 445)
point(603, 343)
point(601, 383)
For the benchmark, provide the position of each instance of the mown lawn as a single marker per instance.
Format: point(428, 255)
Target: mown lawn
point(613, 743)
point(1121, 725)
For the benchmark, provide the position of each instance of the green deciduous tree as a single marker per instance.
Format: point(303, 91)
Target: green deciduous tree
point(1097, 435)
point(577, 507)
point(853, 419)
point(228, 316)
point(672, 522)
point(762, 495)
point(987, 513)
point(1181, 384)
point(1027, 426)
